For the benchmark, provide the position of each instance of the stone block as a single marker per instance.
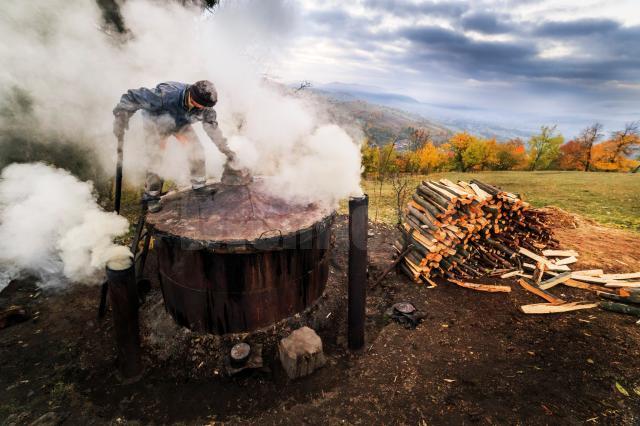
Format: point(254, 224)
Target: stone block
point(301, 353)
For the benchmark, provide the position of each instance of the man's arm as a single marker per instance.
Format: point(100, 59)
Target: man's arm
point(211, 128)
point(130, 102)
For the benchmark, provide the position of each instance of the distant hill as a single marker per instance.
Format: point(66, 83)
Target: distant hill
point(381, 124)
point(385, 115)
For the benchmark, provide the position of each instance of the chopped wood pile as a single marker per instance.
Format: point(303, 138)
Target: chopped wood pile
point(467, 231)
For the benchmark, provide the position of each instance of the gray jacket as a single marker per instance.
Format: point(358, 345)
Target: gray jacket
point(165, 105)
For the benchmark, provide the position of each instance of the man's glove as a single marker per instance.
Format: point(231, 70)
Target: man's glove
point(121, 123)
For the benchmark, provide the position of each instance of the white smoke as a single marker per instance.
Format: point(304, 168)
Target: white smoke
point(75, 73)
point(51, 225)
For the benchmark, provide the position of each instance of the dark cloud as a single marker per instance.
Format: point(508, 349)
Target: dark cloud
point(451, 9)
point(488, 59)
point(455, 48)
point(486, 23)
point(607, 50)
point(576, 28)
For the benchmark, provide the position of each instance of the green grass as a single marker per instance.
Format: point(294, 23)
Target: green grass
point(609, 198)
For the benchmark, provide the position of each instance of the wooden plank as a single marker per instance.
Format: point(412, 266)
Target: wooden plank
point(623, 284)
point(628, 276)
point(560, 253)
point(552, 308)
point(539, 292)
point(529, 276)
point(558, 279)
point(510, 274)
point(482, 287)
point(532, 255)
point(590, 272)
point(566, 260)
point(589, 279)
point(584, 286)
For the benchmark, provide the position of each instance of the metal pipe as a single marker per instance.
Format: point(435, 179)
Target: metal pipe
point(123, 296)
point(358, 223)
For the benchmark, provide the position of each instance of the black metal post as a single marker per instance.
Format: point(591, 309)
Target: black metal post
point(123, 296)
point(358, 224)
point(118, 189)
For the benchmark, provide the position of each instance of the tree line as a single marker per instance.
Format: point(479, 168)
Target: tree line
point(546, 150)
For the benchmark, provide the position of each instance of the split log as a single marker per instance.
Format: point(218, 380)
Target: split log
point(630, 294)
point(620, 307)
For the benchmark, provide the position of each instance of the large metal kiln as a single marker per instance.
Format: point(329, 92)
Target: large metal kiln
point(235, 259)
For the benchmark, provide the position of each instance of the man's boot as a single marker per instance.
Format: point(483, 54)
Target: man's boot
point(197, 183)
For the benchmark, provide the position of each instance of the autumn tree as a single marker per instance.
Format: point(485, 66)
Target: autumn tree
point(572, 156)
point(510, 155)
point(626, 141)
point(480, 154)
point(430, 158)
point(458, 144)
point(370, 157)
point(418, 138)
point(544, 148)
point(587, 139)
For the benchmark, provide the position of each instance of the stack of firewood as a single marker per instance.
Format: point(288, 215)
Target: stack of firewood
point(468, 230)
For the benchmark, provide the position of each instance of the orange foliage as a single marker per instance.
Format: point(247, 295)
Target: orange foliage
point(607, 157)
point(573, 156)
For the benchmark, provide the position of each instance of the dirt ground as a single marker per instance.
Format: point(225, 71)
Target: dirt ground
point(475, 358)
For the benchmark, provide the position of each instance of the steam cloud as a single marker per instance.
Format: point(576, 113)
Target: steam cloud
point(51, 225)
point(75, 73)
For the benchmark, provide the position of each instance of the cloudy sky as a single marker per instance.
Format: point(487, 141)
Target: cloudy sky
point(516, 63)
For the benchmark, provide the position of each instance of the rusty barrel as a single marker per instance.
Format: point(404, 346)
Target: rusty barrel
point(237, 259)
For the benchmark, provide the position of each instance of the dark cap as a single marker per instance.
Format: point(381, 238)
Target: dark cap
point(203, 92)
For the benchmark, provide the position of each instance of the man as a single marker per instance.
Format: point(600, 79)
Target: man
point(169, 110)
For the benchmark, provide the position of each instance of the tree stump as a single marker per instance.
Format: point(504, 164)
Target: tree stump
point(301, 353)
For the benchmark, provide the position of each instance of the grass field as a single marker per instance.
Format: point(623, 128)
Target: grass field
point(609, 198)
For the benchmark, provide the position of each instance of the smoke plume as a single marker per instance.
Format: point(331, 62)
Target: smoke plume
point(73, 72)
point(51, 226)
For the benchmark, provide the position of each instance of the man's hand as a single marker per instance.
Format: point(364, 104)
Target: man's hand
point(121, 123)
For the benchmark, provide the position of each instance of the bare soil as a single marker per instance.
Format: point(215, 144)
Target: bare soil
point(474, 359)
